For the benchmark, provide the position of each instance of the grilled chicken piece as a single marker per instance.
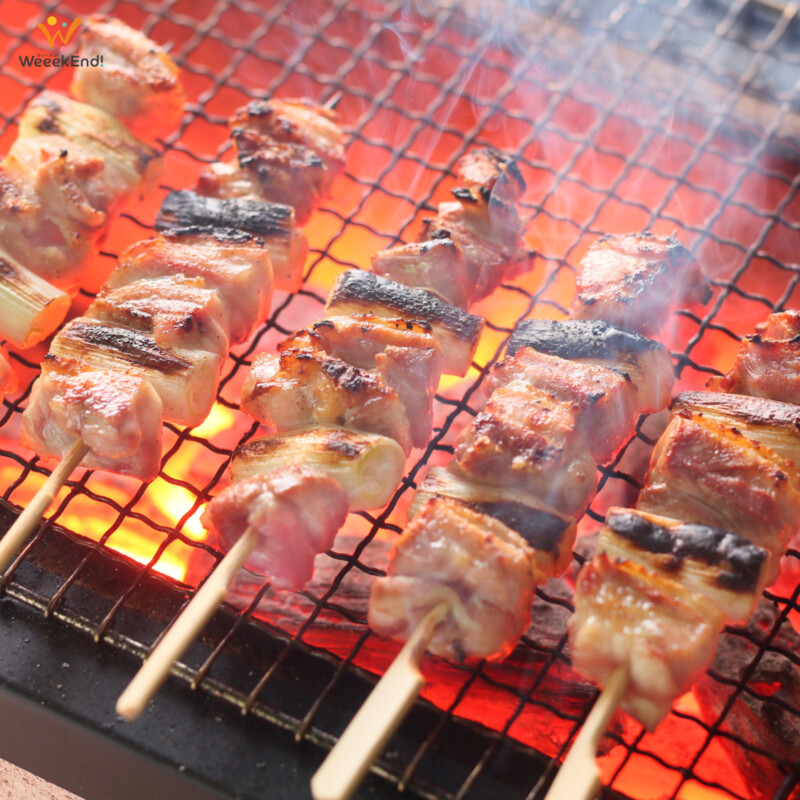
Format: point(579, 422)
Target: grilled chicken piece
point(770, 422)
point(117, 416)
point(664, 634)
point(529, 439)
point(712, 474)
point(300, 389)
point(368, 467)
point(768, 362)
point(491, 173)
point(646, 363)
point(489, 235)
point(176, 311)
point(481, 569)
point(635, 280)
point(32, 308)
point(186, 380)
point(549, 533)
point(457, 333)
point(438, 266)
point(296, 513)
point(8, 380)
point(603, 399)
point(242, 222)
point(138, 81)
point(241, 276)
point(289, 151)
point(724, 567)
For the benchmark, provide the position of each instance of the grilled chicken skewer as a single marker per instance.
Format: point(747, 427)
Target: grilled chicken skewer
point(725, 460)
point(350, 392)
point(71, 165)
point(565, 398)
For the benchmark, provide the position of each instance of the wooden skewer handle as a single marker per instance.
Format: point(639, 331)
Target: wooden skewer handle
point(184, 630)
point(378, 718)
point(578, 779)
point(25, 523)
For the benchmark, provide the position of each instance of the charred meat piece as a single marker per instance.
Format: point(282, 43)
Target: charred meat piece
point(529, 439)
point(549, 533)
point(296, 513)
point(367, 466)
point(457, 333)
point(603, 399)
point(724, 567)
point(712, 474)
point(437, 265)
point(116, 415)
point(664, 634)
point(492, 174)
point(645, 362)
point(138, 81)
point(184, 216)
point(299, 389)
point(482, 571)
point(186, 380)
point(768, 362)
point(635, 280)
point(241, 276)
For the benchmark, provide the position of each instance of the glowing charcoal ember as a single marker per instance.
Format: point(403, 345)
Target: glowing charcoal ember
point(176, 311)
point(456, 332)
point(529, 439)
point(367, 466)
point(636, 280)
point(118, 417)
point(186, 380)
point(241, 276)
point(604, 400)
point(481, 569)
point(183, 216)
point(296, 514)
point(724, 567)
point(437, 266)
point(768, 362)
point(549, 533)
point(712, 474)
point(662, 633)
point(138, 81)
point(645, 362)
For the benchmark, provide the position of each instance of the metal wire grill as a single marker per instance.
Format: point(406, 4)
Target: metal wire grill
point(675, 116)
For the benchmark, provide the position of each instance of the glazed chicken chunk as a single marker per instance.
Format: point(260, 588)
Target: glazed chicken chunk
point(8, 380)
point(116, 415)
point(296, 513)
point(481, 570)
point(768, 362)
point(493, 174)
point(138, 81)
point(662, 633)
point(636, 280)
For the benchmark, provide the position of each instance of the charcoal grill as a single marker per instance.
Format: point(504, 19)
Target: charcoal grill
point(681, 115)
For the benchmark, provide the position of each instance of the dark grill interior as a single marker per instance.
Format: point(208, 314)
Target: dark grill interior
point(671, 116)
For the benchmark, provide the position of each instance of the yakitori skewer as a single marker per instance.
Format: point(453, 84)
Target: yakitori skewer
point(162, 325)
point(720, 503)
point(501, 517)
point(357, 387)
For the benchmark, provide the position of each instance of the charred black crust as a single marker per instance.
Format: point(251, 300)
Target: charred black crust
point(237, 219)
point(574, 338)
point(338, 443)
point(130, 345)
point(750, 410)
point(741, 560)
point(364, 288)
point(538, 528)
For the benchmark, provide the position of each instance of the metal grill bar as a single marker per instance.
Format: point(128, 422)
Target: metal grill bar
point(419, 105)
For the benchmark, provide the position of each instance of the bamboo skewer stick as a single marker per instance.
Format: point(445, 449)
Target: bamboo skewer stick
point(18, 533)
point(185, 629)
point(378, 717)
point(578, 778)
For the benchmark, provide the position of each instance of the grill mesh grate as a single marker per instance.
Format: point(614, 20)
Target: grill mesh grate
point(692, 126)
